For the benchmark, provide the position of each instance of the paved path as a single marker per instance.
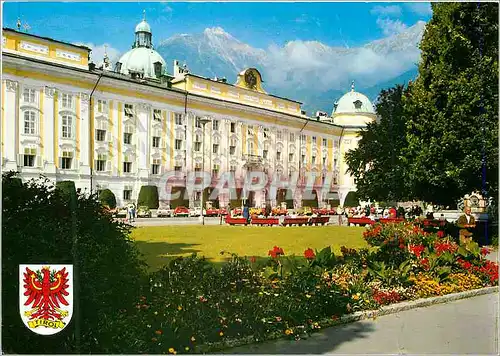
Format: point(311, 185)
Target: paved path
point(467, 326)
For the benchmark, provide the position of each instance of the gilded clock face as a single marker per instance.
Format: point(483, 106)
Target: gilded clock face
point(250, 79)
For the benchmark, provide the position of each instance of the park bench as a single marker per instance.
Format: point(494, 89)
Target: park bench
point(235, 221)
point(319, 220)
point(360, 221)
point(265, 221)
point(289, 221)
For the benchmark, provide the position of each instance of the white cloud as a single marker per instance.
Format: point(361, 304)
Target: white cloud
point(420, 8)
point(390, 10)
point(97, 54)
point(391, 27)
point(303, 65)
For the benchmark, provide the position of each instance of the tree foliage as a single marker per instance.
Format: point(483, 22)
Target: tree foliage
point(376, 162)
point(107, 198)
point(148, 196)
point(38, 228)
point(452, 108)
point(351, 200)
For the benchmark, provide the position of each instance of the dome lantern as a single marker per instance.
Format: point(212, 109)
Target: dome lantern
point(142, 61)
point(143, 35)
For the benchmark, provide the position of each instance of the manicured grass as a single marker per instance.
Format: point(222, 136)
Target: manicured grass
point(161, 243)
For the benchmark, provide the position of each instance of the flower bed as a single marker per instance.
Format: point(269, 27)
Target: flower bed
point(192, 304)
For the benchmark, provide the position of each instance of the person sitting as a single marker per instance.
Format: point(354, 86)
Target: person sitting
point(466, 222)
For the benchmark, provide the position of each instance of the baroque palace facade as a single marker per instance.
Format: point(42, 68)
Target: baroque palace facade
point(123, 127)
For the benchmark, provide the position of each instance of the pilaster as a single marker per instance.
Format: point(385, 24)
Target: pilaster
point(85, 134)
point(11, 117)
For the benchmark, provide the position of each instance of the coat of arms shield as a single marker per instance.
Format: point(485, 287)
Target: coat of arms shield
point(46, 297)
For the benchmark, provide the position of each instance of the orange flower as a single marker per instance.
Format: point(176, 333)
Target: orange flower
point(158, 332)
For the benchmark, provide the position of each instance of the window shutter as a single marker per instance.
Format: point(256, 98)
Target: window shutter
point(108, 136)
point(20, 159)
point(39, 161)
point(75, 164)
point(60, 162)
point(108, 165)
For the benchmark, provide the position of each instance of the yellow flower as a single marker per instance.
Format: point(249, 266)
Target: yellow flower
point(156, 313)
point(179, 308)
point(288, 331)
point(355, 297)
point(193, 339)
point(186, 348)
point(171, 350)
point(308, 296)
point(221, 333)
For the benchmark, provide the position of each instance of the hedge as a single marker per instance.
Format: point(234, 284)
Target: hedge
point(148, 196)
point(107, 198)
point(351, 200)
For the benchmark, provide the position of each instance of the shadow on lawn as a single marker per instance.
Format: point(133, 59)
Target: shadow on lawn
point(322, 342)
point(158, 254)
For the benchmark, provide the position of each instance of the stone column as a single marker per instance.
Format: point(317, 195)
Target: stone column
point(11, 116)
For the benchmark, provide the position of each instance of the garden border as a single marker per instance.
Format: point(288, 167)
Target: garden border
point(357, 316)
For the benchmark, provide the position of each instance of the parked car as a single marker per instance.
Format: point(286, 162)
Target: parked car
point(164, 212)
point(211, 212)
point(195, 212)
point(181, 211)
point(223, 211)
point(121, 213)
point(143, 212)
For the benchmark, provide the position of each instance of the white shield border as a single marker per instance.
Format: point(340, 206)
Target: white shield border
point(43, 330)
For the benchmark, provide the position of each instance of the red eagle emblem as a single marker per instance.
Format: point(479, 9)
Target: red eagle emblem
point(46, 292)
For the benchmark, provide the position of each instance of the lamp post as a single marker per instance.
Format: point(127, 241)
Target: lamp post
point(203, 121)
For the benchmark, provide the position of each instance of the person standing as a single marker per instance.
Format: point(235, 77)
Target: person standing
point(246, 214)
point(466, 222)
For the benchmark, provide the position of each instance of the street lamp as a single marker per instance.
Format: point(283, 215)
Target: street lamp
point(203, 121)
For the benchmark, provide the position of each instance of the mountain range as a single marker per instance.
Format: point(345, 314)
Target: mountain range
point(307, 71)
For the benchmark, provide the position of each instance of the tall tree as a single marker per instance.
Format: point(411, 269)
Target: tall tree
point(375, 163)
point(452, 108)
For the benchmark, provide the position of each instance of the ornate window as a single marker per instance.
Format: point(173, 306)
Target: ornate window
point(29, 95)
point(155, 167)
point(30, 122)
point(67, 101)
point(129, 110)
point(67, 126)
point(66, 160)
point(215, 125)
point(179, 119)
point(102, 106)
point(100, 163)
point(233, 127)
point(157, 115)
point(279, 135)
point(29, 157)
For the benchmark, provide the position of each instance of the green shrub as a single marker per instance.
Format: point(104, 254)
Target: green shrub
point(148, 196)
point(107, 198)
point(67, 189)
point(351, 200)
point(38, 228)
point(180, 199)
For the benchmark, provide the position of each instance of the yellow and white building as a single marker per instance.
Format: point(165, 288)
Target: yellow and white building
point(123, 127)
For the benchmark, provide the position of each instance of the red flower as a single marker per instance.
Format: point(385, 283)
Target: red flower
point(309, 254)
point(253, 259)
point(425, 263)
point(276, 251)
point(417, 250)
point(402, 247)
point(485, 251)
point(440, 233)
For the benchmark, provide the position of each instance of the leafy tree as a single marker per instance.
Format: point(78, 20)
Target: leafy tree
point(38, 227)
point(107, 198)
point(351, 200)
point(452, 108)
point(375, 163)
point(148, 196)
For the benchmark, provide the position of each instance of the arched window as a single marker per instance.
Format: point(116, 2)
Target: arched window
point(67, 126)
point(30, 122)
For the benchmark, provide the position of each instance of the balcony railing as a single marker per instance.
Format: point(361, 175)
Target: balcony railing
point(252, 159)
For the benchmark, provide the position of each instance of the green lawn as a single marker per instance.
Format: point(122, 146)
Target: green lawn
point(160, 243)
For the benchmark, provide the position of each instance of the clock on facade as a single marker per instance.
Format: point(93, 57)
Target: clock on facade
point(250, 79)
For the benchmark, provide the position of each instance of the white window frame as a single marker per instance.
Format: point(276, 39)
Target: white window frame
point(32, 121)
point(102, 106)
point(67, 101)
point(30, 94)
point(69, 126)
point(157, 115)
point(179, 119)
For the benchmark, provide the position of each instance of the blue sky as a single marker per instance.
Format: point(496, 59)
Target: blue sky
point(258, 24)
